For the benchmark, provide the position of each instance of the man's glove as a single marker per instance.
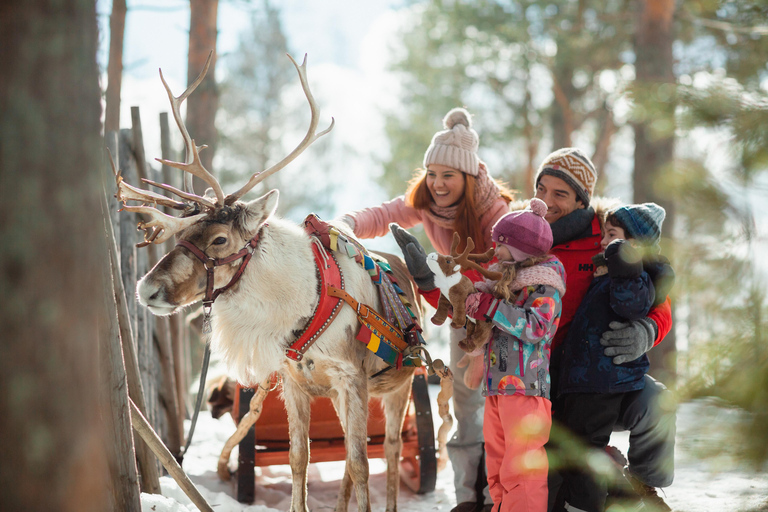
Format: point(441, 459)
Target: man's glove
point(626, 341)
point(624, 261)
point(415, 257)
point(481, 306)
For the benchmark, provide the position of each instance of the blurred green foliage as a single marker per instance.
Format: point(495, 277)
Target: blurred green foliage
point(529, 70)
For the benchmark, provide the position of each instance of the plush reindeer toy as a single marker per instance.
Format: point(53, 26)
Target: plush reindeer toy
point(455, 287)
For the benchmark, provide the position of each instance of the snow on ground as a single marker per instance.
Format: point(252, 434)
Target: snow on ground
point(708, 477)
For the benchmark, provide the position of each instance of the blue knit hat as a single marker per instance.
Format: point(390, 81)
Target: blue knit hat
point(641, 221)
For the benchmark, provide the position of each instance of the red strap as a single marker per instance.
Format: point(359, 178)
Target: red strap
point(327, 307)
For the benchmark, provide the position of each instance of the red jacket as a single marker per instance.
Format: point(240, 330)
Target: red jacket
point(576, 257)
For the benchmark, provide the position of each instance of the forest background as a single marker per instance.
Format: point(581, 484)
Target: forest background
point(669, 98)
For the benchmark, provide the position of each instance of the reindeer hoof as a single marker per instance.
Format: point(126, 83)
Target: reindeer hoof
point(437, 321)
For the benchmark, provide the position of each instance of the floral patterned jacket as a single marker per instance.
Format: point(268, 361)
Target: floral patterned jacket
point(517, 356)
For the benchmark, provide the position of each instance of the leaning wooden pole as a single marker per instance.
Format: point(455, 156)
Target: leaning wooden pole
point(148, 471)
point(144, 429)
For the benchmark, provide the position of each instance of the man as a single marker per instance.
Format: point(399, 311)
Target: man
point(565, 181)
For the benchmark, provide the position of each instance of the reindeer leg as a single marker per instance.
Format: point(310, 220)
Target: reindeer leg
point(297, 406)
point(443, 306)
point(245, 423)
point(395, 405)
point(353, 413)
point(345, 490)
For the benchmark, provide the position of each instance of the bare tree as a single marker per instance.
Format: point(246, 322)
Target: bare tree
point(202, 106)
point(53, 258)
point(654, 127)
point(115, 66)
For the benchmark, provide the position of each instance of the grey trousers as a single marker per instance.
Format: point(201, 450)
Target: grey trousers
point(650, 419)
point(465, 448)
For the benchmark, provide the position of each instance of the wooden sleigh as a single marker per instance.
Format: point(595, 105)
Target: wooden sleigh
point(267, 441)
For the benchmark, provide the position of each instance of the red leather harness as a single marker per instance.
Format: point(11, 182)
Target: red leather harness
point(329, 274)
point(246, 253)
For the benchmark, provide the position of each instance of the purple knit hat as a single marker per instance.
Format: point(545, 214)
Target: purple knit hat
point(525, 230)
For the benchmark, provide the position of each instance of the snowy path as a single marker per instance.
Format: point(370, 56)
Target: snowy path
point(704, 482)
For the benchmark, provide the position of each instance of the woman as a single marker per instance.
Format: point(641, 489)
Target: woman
point(454, 192)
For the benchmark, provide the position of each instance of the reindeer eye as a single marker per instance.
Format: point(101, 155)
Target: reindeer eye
point(449, 260)
point(219, 240)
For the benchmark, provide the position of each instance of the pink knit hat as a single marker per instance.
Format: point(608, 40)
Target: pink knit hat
point(525, 231)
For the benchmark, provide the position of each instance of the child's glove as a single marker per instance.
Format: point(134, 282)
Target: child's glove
point(626, 341)
point(415, 258)
point(624, 261)
point(481, 306)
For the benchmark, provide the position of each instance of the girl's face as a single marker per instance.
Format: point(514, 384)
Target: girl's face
point(611, 233)
point(502, 253)
point(446, 184)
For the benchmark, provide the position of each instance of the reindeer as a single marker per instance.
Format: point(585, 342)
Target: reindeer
point(265, 275)
point(455, 287)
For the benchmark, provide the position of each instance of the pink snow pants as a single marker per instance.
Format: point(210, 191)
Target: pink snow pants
point(516, 428)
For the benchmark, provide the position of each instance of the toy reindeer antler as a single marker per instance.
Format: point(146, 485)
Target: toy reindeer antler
point(469, 261)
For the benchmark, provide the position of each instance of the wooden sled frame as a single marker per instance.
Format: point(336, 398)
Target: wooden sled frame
point(419, 459)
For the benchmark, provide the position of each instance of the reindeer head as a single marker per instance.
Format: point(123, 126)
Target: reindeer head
point(447, 268)
point(213, 229)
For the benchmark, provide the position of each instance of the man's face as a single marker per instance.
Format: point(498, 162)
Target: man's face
point(560, 198)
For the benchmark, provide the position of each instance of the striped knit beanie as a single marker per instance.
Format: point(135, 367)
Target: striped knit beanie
point(457, 145)
point(641, 221)
point(573, 167)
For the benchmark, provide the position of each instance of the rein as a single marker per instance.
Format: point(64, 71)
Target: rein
point(246, 253)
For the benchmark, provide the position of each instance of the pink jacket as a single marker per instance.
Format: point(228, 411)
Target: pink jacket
point(374, 222)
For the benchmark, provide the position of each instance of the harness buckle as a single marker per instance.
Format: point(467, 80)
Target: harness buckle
point(294, 354)
point(207, 318)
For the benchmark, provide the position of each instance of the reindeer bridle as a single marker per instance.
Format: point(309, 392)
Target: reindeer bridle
point(210, 264)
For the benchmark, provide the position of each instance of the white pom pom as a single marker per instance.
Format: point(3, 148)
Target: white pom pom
point(538, 207)
point(457, 116)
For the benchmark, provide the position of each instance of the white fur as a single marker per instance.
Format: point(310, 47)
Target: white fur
point(253, 323)
point(445, 283)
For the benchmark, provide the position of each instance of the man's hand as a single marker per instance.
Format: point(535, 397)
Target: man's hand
point(481, 306)
point(415, 258)
point(626, 341)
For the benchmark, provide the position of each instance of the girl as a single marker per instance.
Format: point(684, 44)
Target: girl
point(454, 192)
point(524, 307)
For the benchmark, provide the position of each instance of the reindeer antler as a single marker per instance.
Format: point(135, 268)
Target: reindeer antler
point(161, 227)
point(195, 166)
point(465, 259)
point(309, 138)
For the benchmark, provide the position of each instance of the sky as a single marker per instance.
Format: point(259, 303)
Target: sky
point(346, 43)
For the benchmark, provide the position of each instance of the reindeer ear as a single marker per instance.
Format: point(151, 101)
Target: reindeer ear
point(260, 209)
point(457, 268)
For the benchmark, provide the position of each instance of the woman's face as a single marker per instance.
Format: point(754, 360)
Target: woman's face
point(446, 184)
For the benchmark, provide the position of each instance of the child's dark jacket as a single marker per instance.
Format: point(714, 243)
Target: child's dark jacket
point(584, 367)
